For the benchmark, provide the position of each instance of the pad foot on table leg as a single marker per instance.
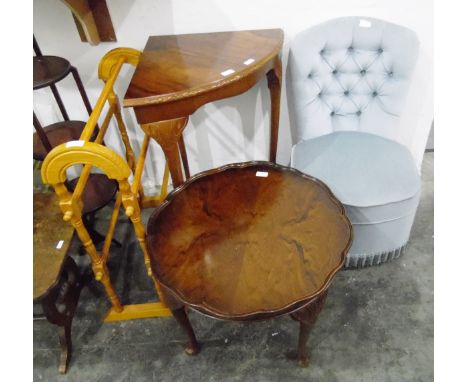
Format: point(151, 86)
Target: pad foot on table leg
point(192, 347)
point(307, 317)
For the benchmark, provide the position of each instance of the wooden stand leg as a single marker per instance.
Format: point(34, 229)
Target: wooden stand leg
point(274, 84)
point(59, 102)
point(59, 308)
point(180, 315)
point(66, 346)
point(99, 266)
point(307, 317)
point(81, 89)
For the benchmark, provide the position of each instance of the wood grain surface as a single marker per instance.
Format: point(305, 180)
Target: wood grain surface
point(248, 240)
point(51, 239)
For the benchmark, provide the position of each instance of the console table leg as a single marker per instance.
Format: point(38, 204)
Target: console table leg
point(168, 135)
point(274, 84)
point(180, 315)
point(183, 155)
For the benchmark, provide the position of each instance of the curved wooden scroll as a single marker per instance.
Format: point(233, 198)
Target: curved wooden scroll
point(112, 58)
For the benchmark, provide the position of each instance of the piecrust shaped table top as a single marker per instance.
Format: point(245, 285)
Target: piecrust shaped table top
point(48, 253)
point(179, 66)
point(237, 245)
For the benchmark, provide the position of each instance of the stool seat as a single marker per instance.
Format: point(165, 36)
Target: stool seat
point(98, 192)
point(57, 133)
point(47, 70)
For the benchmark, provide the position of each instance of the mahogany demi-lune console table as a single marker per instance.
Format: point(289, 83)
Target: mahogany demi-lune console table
point(177, 74)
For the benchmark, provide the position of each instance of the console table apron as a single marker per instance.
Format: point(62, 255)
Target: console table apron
point(179, 73)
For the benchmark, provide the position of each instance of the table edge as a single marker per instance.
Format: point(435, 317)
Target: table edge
point(205, 88)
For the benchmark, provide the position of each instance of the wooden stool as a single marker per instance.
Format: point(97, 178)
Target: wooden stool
point(47, 71)
point(57, 282)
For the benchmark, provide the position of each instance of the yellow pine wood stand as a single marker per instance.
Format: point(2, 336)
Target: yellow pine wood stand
point(130, 195)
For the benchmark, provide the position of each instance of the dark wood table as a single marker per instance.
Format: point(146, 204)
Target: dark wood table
point(56, 282)
point(249, 241)
point(177, 74)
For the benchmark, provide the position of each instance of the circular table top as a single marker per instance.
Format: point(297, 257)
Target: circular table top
point(248, 240)
point(51, 239)
point(47, 70)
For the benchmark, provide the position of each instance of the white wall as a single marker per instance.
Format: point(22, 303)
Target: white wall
point(236, 129)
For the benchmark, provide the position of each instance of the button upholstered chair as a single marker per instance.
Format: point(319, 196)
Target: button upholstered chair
point(349, 78)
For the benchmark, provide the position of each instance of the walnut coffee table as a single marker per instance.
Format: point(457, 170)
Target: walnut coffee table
point(249, 241)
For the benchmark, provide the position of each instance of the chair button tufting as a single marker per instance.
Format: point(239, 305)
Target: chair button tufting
point(380, 50)
point(390, 74)
point(322, 52)
point(363, 71)
point(346, 93)
point(332, 113)
point(335, 72)
point(351, 49)
point(358, 113)
point(310, 75)
point(374, 94)
point(320, 94)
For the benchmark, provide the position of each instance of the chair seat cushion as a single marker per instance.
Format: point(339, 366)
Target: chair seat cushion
point(362, 169)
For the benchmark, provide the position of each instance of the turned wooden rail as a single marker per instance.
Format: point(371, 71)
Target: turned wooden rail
point(130, 195)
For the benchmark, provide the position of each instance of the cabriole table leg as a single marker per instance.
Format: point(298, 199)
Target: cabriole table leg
point(274, 84)
point(180, 315)
point(168, 135)
point(307, 317)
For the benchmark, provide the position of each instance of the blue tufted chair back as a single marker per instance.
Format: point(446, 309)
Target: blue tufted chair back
point(351, 73)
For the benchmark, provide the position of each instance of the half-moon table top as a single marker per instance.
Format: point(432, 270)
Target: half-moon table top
point(249, 240)
point(175, 67)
